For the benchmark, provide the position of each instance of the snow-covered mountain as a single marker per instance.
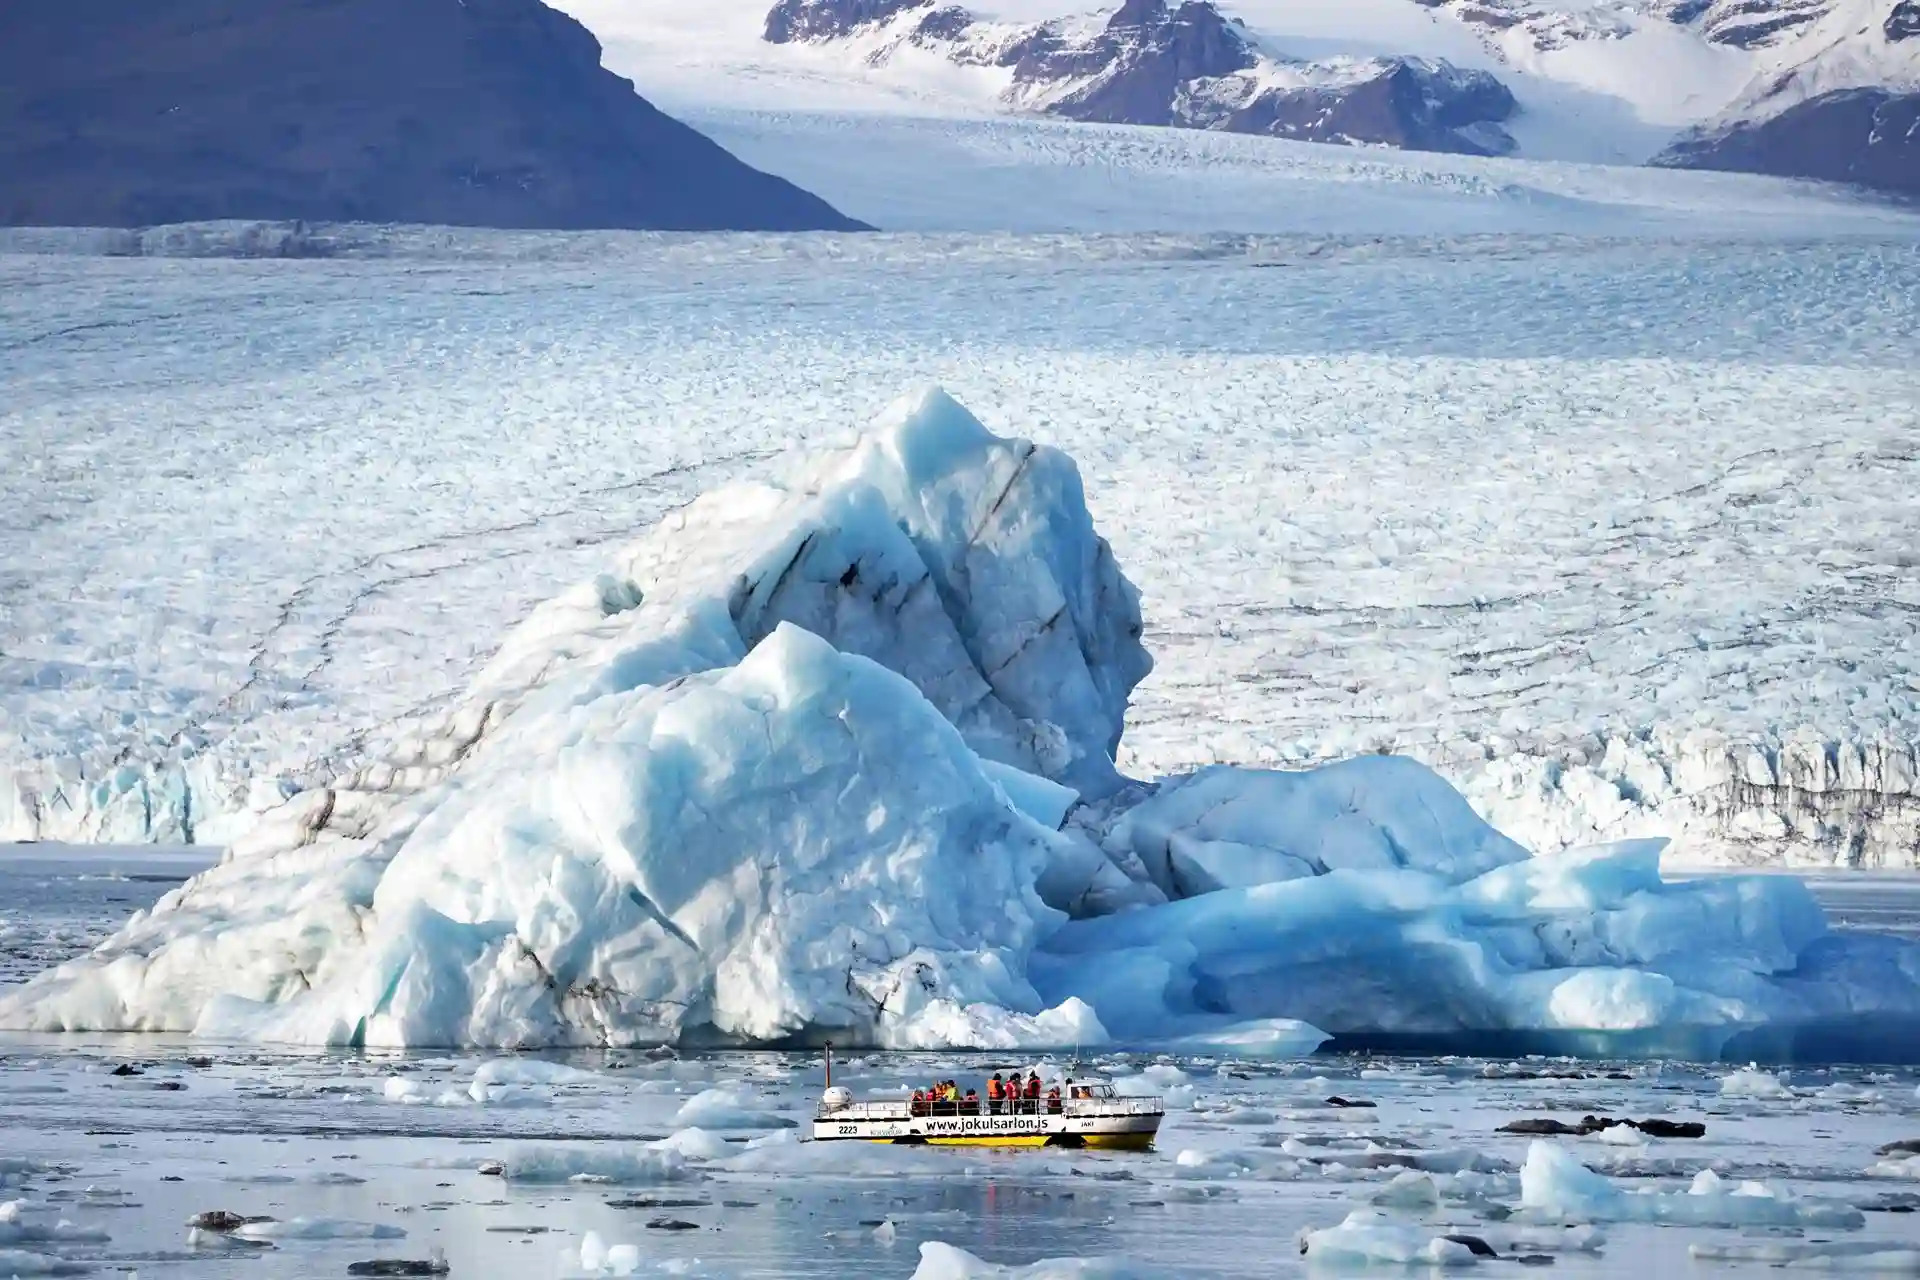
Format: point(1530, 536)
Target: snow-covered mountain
point(1838, 97)
point(1794, 87)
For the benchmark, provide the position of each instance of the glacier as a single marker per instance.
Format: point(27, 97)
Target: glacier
point(397, 508)
point(834, 758)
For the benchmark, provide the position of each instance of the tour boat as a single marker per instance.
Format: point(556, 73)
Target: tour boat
point(1088, 1114)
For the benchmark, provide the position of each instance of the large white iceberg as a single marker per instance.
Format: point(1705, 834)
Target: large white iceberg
point(834, 758)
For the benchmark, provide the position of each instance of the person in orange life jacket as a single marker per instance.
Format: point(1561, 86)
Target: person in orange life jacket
point(1053, 1099)
point(995, 1093)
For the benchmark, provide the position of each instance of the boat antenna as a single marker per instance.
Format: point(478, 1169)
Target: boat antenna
point(828, 1047)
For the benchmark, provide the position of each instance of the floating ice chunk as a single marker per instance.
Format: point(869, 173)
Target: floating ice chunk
point(886, 1233)
point(1370, 1239)
point(593, 1252)
point(319, 1229)
point(507, 1095)
point(1841, 1091)
point(401, 1089)
point(1898, 1167)
point(1410, 1191)
point(20, 1262)
point(1754, 1083)
point(729, 1108)
point(1554, 1184)
point(696, 1144)
point(1881, 1257)
point(25, 1223)
point(632, 1167)
point(941, 1261)
point(1584, 1238)
point(15, 1170)
point(531, 1071)
point(783, 1153)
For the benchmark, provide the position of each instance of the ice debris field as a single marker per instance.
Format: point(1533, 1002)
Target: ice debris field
point(178, 1160)
point(833, 757)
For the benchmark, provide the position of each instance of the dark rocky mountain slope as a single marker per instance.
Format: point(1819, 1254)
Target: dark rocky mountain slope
point(489, 113)
point(1869, 137)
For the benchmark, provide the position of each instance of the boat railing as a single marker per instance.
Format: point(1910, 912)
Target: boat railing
point(1116, 1106)
point(868, 1111)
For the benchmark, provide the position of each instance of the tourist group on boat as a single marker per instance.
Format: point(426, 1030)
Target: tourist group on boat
point(1007, 1095)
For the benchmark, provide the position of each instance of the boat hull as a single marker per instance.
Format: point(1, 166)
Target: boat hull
point(1088, 1133)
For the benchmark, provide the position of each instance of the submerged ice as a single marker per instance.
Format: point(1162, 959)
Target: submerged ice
point(834, 758)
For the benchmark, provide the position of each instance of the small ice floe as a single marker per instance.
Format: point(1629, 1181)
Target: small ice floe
point(1416, 1192)
point(318, 1229)
point(595, 1257)
point(695, 1144)
point(15, 1170)
point(20, 1263)
point(24, 1223)
point(1371, 1239)
point(638, 1166)
point(531, 1071)
point(1896, 1167)
point(1520, 1241)
point(1754, 1083)
point(1606, 1128)
point(1245, 1116)
point(1882, 1257)
point(729, 1109)
point(1554, 1184)
point(1841, 1091)
point(942, 1261)
point(201, 1240)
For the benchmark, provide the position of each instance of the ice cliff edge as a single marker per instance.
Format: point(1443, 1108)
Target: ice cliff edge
point(833, 757)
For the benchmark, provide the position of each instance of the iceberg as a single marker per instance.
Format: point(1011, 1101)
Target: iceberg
point(833, 758)
point(1554, 1186)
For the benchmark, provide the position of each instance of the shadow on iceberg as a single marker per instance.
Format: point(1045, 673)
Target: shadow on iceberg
point(833, 758)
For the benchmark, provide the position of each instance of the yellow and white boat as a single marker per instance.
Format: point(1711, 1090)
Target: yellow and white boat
point(1088, 1115)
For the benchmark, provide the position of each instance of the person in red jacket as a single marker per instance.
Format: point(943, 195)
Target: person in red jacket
point(1033, 1092)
